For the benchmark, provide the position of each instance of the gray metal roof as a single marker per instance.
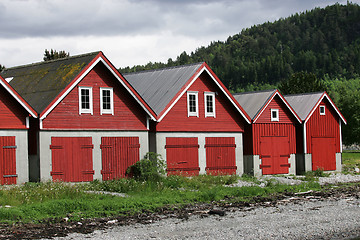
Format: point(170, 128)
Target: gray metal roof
point(158, 87)
point(40, 83)
point(253, 102)
point(303, 103)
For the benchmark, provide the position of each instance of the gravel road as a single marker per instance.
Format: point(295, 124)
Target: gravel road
point(311, 219)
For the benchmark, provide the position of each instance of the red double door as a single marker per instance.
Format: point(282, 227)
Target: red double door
point(7, 160)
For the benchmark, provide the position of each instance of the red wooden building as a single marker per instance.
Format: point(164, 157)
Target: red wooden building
point(199, 124)
point(319, 136)
point(91, 125)
point(14, 124)
point(270, 140)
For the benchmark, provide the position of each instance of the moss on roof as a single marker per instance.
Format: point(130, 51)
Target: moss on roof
point(40, 83)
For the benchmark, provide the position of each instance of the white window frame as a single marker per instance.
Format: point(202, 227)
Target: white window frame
point(322, 112)
point(209, 114)
point(90, 110)
point(107, 111)
point(196, 113)
point(274, 119)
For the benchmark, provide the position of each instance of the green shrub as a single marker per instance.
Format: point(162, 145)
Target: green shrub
point(150, 168)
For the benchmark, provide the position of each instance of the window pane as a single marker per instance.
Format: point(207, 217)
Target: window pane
point(85, 99)
point(192, 103)
point(106, 99)
point(209, 104)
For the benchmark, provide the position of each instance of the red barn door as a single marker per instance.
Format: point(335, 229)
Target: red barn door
point(72, 159)
point(274, 153)
point(182, 156)
point(7, 160)
point(118, 153)
point(220, 155)
point(323, 153)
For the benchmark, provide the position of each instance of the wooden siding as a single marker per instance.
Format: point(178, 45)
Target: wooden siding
point(323, 125)
point(182, 156)
point(274, 154)
point(8, 160)
point(118, 153)
point(220, 155)
point(269, 129)
point(285, 116)
point(12, 114)
point(128, 115)
point(227, 118)
point(72, 159)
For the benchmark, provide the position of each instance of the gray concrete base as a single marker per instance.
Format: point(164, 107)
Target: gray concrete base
point(338, 162)
point(249, 165)
point(292, 161)
point(161, 142)
point(45, 151)
point(34, 168)
point(308, 162)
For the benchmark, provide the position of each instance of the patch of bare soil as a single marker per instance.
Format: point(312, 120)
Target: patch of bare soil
point(61, 227)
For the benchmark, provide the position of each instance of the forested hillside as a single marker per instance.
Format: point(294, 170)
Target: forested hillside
point(323, 42)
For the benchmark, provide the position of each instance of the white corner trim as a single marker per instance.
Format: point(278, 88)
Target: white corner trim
point(304, 138)
point(40, 124)
point(27, 120)
point(341, 149)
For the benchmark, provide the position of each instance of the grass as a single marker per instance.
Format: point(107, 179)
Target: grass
point(351, 160)
point(43, 201)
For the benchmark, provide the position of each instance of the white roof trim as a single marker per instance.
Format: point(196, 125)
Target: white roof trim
point(81, 78)
point(17, 99)
point(318, 103)
point(286, 104)
point(192, 81)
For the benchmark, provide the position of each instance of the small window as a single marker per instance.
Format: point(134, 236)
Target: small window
point(322, 110)
point(192, 100)
point(274, 115)
point(106, 101)
point(209, 98)
point(85, 100)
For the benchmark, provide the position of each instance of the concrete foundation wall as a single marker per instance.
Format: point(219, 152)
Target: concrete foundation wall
point(22, 162)
point(161, 142)
point(338, 162)
point(45, 151)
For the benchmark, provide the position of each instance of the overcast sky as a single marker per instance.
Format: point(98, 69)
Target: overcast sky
point(130, 32)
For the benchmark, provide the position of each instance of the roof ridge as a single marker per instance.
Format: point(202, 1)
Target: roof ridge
point(261, 91)
point(302, 94)
point(165, 68)
point(51, 61)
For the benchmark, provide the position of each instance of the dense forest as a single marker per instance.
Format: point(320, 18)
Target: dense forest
point(323, 43)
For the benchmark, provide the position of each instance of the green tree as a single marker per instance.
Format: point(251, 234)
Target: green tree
point(53, 54)
point(301, 82)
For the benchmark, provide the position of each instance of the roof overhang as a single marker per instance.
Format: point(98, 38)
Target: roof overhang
point(205, 68)
point(17, 97)
point(99, 58)
point(325, 95)
point(277, 93)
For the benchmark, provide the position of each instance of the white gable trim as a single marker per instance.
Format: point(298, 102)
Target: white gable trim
point(17, 99)
point(100, 59)
point(317, 105)
point(189, 85)
point(284, 101)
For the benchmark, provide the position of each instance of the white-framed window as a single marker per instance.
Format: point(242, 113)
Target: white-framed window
point(209, 99)
point(85, 100)
point(192, 104)
point(106, 101)
point(274, 115)
point(322, 110)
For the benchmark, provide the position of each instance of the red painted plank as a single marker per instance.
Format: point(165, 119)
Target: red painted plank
point(324, 153)
point(182, 156)
point(274, 155)
point(8, 173)
point(118, 153)
point(220, 155)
